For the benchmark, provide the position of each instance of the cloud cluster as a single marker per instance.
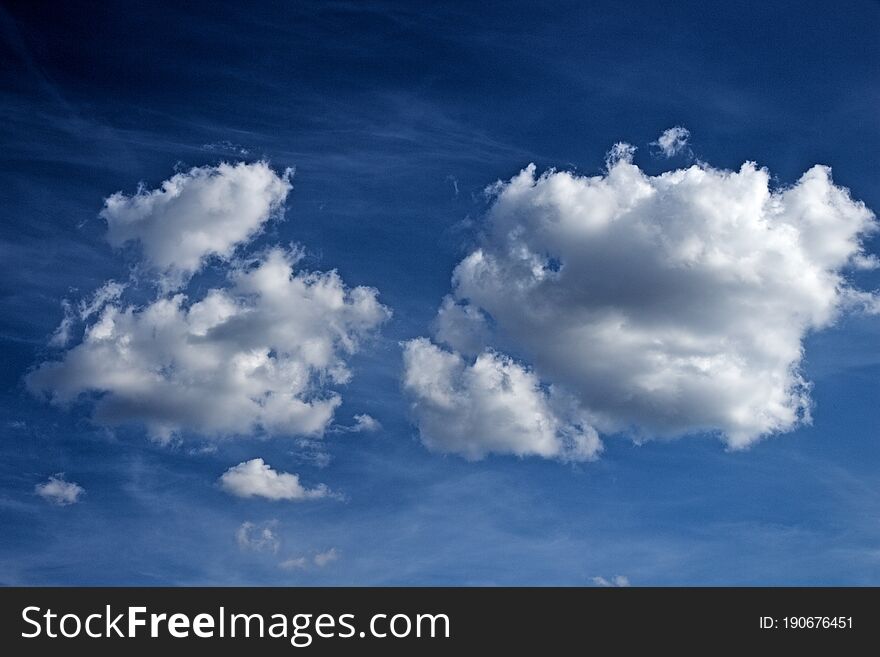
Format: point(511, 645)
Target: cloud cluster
point(59, 491)
point(254, 355)
point(255, 478)
point(204, 212)
point(666, 305)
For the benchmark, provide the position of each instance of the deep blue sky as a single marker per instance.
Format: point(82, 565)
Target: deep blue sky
point(385, 110)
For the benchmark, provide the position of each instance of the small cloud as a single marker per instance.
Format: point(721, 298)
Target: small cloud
point(312, 452)
point(258, 538)
point(296, 563)
point(673, 141)
point(255, 478)
point(859, 302)
point(320, 559)
point(619, 581)
point(323, 558)
point(58, 491)
point(865, 261)
point(363, 423)
point(202, 450)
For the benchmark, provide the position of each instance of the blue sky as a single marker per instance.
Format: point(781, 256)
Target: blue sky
point(396, 117)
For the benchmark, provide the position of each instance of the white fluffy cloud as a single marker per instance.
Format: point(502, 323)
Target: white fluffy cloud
point(254, 356)
point(672, 141)
point(58, 491)
point(364, 423)
point(667, 305)
point(258, 538)
point(255, 478)
point(493, 405)
point(207, 211)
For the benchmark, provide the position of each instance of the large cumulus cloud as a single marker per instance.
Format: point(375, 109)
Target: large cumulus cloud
point(666, 305)
point(259, 353)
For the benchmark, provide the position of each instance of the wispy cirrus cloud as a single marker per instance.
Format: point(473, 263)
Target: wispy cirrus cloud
point(319, 559)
